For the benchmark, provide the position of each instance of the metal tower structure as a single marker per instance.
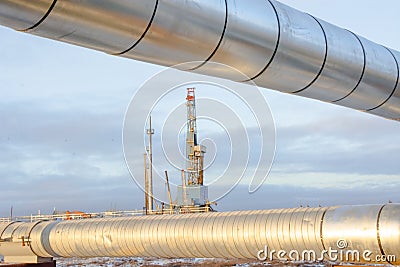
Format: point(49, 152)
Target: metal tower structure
point(191, 137)
point(194, 151)
point(148, 170)
point(192, 192)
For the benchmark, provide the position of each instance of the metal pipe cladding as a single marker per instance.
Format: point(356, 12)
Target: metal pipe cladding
point(238, 234)
point(276, 46)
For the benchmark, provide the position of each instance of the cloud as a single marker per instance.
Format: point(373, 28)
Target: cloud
point(328, 138)
point(272, 196)
point(121, 194)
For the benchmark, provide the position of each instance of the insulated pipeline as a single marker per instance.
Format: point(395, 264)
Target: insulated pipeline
point(240, 234)
point(276, 46)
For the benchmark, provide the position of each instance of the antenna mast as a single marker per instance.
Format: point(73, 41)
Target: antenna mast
point(148, 171)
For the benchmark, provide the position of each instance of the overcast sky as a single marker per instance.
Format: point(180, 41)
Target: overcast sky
point(62, 109)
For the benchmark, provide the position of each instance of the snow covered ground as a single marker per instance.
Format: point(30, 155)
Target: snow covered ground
point(110, 262)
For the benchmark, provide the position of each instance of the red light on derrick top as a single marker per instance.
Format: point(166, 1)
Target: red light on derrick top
point(190, 94)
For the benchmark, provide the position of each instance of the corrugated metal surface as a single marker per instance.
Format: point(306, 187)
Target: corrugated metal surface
point(275, 45)
point(237, 234)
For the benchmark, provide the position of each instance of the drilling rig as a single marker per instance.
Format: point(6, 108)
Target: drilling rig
point(192, 192)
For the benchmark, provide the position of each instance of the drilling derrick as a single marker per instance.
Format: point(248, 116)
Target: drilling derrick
point(194, 151)
point(192, 192)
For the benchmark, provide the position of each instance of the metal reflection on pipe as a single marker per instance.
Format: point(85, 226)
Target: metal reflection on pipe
point(238, 234)
point(273, 44)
